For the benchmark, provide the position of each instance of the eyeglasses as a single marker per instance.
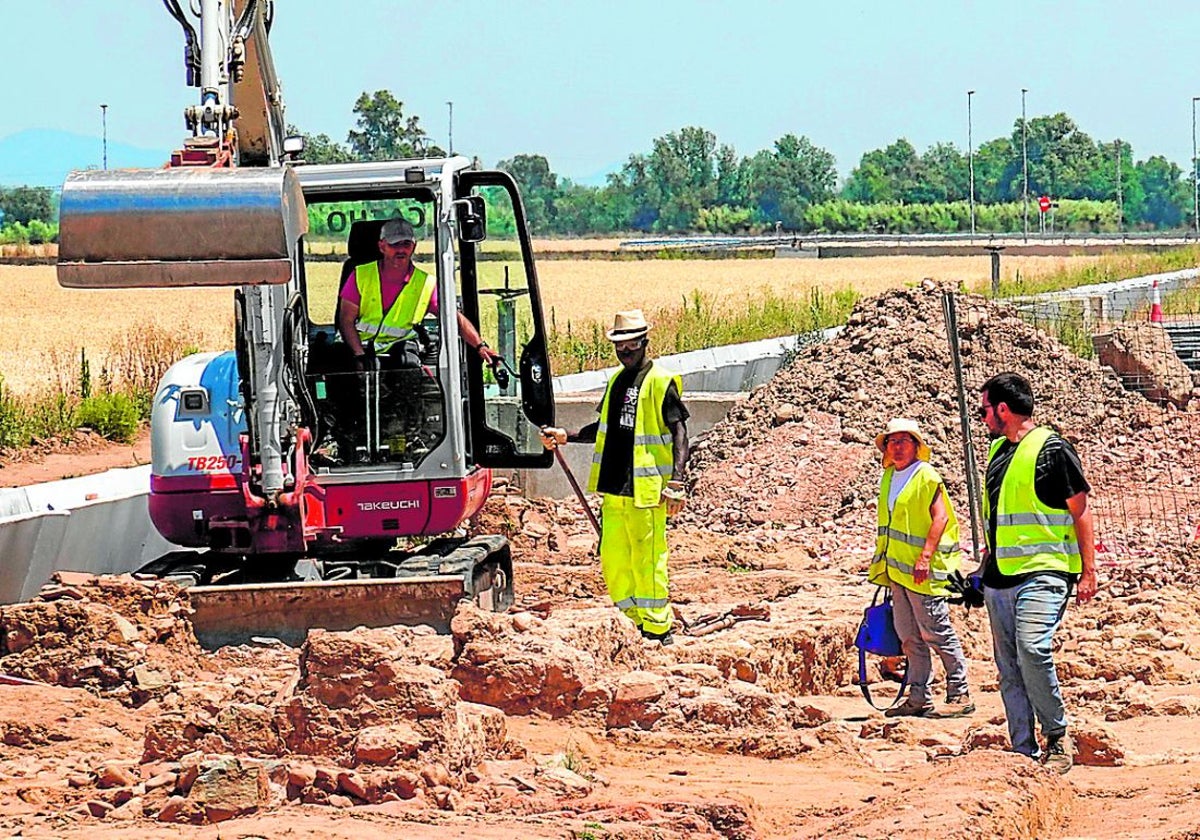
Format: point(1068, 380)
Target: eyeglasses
point(629, 346)
point(983, 410)
point(896, 440)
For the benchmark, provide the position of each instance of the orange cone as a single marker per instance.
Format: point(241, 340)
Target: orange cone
point(1155, 305)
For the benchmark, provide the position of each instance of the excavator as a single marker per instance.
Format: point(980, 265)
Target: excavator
point(303, 491)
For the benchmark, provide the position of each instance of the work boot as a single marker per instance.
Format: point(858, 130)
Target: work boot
point(663, 639)
point(959, 705)
point(1058, 754)
point(909, 708)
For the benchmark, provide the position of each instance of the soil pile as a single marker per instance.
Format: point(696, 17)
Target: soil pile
point(797, 457)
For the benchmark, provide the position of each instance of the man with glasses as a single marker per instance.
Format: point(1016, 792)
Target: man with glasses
point(641, 449)
point(1040, 544)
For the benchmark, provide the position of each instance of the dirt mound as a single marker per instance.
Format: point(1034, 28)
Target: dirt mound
point(797, 458)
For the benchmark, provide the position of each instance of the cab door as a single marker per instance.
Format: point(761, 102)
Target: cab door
point(507, 407)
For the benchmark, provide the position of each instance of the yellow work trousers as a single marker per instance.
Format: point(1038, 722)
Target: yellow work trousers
point(633, 558)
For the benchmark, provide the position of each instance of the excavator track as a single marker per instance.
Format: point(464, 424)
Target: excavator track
point(425, 589)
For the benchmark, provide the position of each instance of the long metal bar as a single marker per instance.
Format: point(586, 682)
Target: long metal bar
point(587, 509)
point(969, 467)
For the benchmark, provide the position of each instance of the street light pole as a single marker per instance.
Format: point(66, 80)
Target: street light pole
point(450, 105)
point(104, 131)
point(1195, 186)
point(1120, 201)
point(971, 161)
point(1024, 165)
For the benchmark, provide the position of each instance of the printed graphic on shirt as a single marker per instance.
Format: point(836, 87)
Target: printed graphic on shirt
point(629, 409)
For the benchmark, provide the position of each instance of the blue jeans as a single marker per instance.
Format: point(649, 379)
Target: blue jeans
point(1023, 621)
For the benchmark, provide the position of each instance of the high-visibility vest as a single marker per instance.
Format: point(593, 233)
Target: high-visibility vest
point(902, 531)
point(653, 446)
point(1030, 537)
point(409, 308)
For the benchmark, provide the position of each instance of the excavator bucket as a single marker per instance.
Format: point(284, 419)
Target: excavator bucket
point(187, 226)
point(426, 590)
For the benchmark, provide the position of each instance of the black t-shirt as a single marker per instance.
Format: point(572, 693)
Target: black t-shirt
point(1058, 476)
point(616, 464)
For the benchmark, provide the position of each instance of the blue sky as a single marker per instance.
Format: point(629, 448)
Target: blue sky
point(587, 84)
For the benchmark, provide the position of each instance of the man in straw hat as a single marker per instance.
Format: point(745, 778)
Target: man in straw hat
point(915, 552)
point(641, 448)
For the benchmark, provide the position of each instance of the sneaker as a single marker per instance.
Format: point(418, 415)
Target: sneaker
point(663, 639)
point(958, 706)
point(1058, 754)
point(909, 709)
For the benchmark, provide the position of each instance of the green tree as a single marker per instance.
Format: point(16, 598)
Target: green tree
point(1168, 195)
point(321, 148)
point(23, 205)
point(384, 133)
point(780, 184)
point(891, 174)
point(539, 189)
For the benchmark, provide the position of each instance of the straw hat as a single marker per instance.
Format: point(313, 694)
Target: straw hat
point(627, 325)
point(895, 426)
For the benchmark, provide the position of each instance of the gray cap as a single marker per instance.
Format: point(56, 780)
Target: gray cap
point(395, 231)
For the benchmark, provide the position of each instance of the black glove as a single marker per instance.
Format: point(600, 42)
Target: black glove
point(969, 591)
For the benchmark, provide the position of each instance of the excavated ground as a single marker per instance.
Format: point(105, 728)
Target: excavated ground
point(557, 720)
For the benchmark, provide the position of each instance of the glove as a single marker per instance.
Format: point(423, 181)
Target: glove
point(553, 437)
point(968, 590)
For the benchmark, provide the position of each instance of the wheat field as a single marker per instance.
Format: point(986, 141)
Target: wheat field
point(43, 327)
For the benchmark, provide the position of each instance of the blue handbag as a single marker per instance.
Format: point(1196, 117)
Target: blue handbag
point(877, 635)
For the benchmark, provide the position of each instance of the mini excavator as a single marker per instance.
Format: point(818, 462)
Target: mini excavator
point(305, 492)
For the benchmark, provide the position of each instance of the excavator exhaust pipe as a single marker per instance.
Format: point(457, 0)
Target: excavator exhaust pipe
point(188, 226)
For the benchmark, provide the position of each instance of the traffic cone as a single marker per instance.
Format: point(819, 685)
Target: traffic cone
point(1155, 305)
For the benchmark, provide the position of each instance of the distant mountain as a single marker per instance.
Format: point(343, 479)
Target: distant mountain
point(39, 157)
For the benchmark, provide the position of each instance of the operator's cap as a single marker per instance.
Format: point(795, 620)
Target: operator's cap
point(902, 425)
point(628, 325)
point(395, 231)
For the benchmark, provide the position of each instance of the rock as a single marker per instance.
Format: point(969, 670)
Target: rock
point(1096, 746)
point(635, 702)
point(385, 744)
point(113, 775)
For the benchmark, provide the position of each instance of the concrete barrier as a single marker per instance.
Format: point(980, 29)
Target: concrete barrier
point(98, 524)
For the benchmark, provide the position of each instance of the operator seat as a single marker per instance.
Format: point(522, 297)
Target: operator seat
point(362, 246)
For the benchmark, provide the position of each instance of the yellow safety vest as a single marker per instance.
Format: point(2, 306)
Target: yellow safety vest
point(409, 308)
point(653, 447)
point(1030, 537)
point(902, 531)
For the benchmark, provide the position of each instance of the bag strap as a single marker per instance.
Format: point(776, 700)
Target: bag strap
point(866, 692)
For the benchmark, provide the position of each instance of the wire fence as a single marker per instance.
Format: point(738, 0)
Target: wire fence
point(1116, 375)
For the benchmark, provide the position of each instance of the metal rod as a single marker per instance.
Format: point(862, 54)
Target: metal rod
point(971, 162)
point(972, 473)
point(587, 509)
point(1024, 166)
point(1195, 169)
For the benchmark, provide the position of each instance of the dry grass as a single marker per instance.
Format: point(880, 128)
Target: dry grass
point(43, 326)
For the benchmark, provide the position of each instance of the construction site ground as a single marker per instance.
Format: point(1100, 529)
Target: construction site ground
point(557, 720)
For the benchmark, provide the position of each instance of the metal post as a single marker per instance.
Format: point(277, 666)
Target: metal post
point(971, 162)
point(969, 468)
point(450, 149)
point(1120, 198)
point(104, 131)
point(1195, 169)
point(995, 271)
point(1024, 166)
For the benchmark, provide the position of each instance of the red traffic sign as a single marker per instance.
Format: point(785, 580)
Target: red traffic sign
point(1044, 203)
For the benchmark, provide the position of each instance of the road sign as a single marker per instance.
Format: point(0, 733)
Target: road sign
point(1044, 203)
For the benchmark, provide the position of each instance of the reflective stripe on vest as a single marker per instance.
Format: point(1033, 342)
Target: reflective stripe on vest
point(653, 446)
point(1030, 537)
point(900, 534)
point(409, 308)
